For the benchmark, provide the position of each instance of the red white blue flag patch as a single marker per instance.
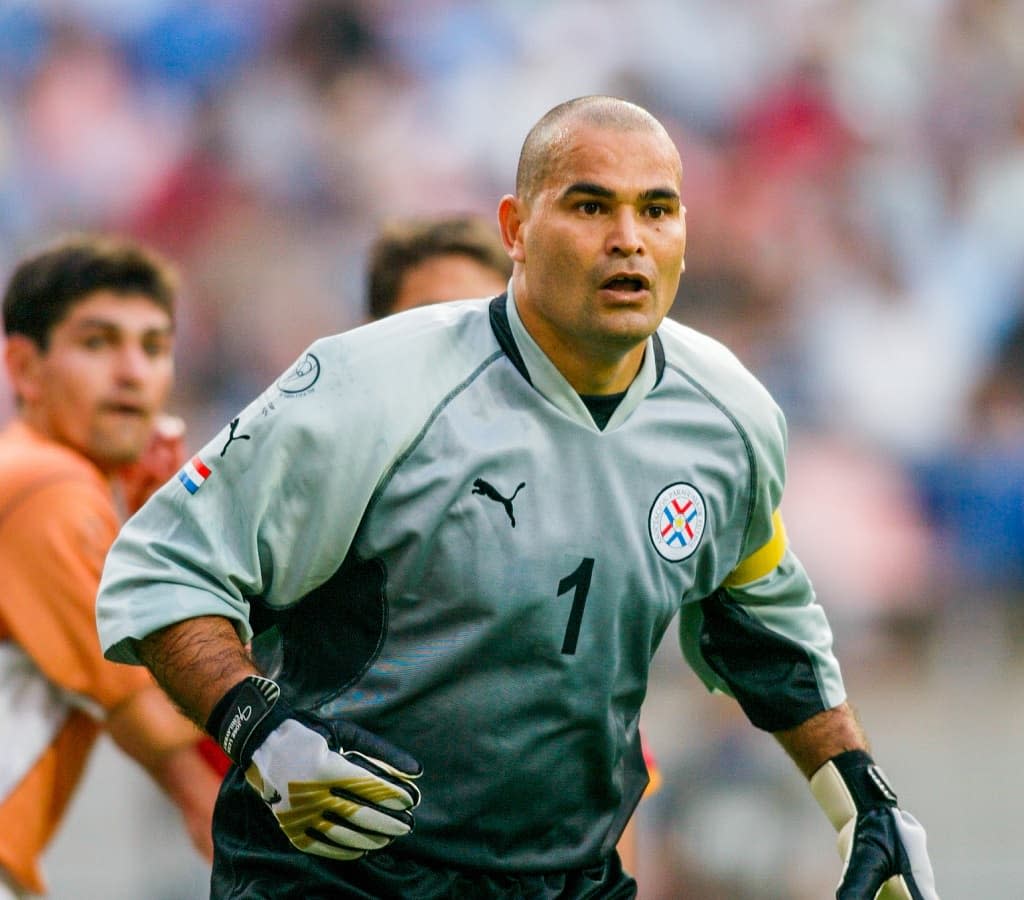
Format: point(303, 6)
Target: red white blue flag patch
point(677, 520)
point(194, 474)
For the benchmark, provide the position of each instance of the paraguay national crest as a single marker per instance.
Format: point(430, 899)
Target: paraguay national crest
point(677, 520)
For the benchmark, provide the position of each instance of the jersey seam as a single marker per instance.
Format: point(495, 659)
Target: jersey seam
point(428, 422)
point(747, 446)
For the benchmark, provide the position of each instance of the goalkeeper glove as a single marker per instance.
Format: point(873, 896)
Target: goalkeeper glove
point(336, 789)
point(882, 846)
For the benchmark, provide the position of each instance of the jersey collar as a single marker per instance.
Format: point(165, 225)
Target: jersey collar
point(535, 366)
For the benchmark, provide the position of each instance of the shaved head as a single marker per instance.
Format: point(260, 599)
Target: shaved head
point(545, 140)
point(597, 234)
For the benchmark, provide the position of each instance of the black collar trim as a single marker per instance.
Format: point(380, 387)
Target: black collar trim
point(503, 332)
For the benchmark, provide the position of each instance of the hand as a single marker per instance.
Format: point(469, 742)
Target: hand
point(884, 848)
point(163, 456)
point(336, 789)
point(335, 804)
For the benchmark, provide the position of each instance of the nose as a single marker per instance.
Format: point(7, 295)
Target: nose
point(624, 238)
point(133, 363)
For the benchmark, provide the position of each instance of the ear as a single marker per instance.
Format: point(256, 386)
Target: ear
point(682, 212)
point(510, 222)
point(24, 367)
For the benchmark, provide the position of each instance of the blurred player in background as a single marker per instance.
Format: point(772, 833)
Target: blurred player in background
point(459, 535)
point(89, 325)
point(417, 262)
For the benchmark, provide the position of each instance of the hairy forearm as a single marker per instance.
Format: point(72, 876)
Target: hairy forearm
point(814, 742)
point(196, 662)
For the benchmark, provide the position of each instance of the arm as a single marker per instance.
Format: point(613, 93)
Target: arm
point(148, 728)
point(763, 638)
point(197, 662)
point(884, 848)
point(812, 743)
point(51, 556)
point(176, 595)
point(772, 651)
point(367, 785)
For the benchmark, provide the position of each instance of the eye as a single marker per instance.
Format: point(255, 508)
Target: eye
point(590, 207)
point(657, 212)
point(94, 341)
point(156, 346)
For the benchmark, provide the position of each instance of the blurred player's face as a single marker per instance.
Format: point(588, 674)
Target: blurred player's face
point(103, 378)
point(451, 276)
point(599, 251)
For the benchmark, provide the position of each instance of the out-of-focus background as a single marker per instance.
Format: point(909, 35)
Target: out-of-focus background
point(855, 186)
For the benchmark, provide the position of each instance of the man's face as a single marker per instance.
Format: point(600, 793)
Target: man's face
point(103, 378)
point(450, 276)
point(600, 245)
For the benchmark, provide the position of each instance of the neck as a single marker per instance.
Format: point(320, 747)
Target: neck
point(39, 425)
point(595, 374)
point(593, 367)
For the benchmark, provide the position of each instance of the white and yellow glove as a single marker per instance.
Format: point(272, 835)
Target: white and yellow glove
point(336, 789)
point(883, 848)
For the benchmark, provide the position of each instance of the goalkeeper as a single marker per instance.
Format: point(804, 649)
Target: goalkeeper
point(456, 537)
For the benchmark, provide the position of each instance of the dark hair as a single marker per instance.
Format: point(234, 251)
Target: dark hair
point(402, 245)
point(46, 284)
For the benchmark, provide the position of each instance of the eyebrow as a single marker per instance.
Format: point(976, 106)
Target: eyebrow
point(109, 325)
point(597, 190)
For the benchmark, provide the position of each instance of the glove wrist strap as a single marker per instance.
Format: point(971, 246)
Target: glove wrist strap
point(245, 715)
point(848, 784)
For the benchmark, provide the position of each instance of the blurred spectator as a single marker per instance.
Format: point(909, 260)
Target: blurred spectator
point(711, 832)
point(416, 262)
point(855, 171)
point(974, 490)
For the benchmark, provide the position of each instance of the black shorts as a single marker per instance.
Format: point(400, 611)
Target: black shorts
point(255, 861)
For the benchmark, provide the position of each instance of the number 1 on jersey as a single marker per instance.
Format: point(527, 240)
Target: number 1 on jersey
point(580, 580)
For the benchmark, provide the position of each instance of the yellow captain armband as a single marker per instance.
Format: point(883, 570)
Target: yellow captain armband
point(763, 560)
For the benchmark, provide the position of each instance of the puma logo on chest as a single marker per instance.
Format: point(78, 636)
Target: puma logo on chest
point(488, 490)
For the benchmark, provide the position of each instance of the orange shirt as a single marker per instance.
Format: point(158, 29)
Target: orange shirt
point(57, 521)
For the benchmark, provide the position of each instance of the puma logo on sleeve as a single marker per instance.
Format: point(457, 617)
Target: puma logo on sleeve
point(234, 437)
point(487, 490)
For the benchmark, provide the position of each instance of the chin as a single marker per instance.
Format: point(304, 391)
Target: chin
point(633, 329)
point(120, 451)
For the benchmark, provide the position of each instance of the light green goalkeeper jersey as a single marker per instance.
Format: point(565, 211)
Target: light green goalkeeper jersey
point(428, 534)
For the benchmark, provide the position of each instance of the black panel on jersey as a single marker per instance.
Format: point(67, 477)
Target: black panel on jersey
point(254, 860)
point(342, 622)
point(503, 332)
point(770, 675)
point(659, 358)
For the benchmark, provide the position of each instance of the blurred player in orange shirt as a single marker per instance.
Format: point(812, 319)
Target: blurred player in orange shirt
point(420, 261)
point(89, 323)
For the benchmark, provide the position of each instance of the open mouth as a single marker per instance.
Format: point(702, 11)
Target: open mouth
point(629, 284)
point(124, 409)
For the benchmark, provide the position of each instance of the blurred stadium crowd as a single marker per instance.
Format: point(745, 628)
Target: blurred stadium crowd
point(854, 182)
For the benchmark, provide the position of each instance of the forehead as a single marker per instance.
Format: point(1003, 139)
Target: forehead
point(450, 276)
point(624, 160)
point(127, 312)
